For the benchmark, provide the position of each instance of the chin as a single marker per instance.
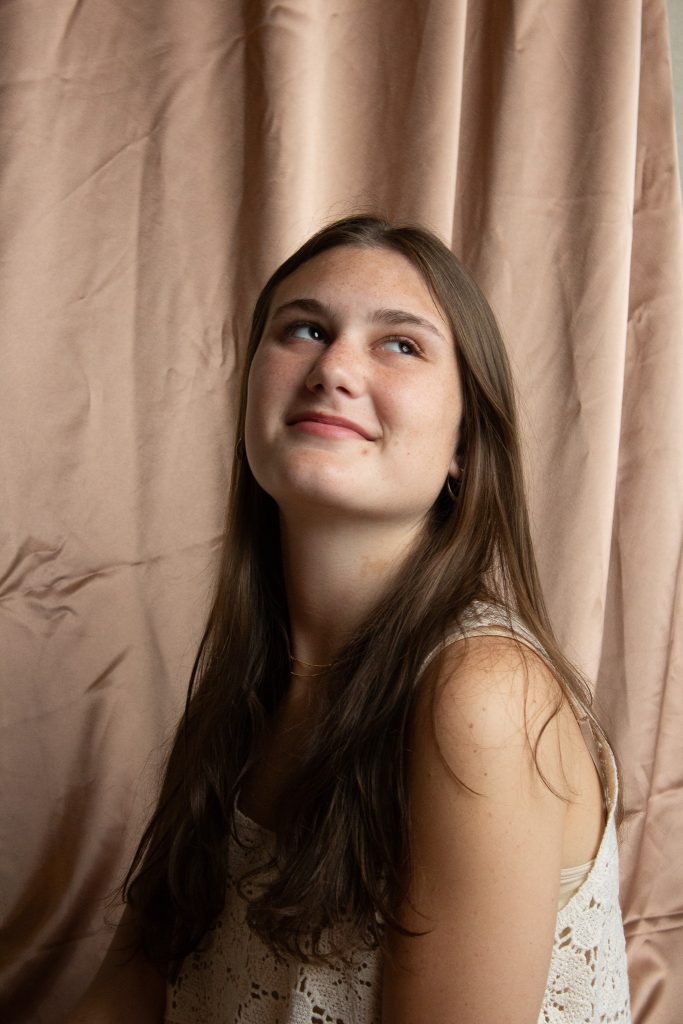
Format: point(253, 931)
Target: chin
point(316, 496)
point(320, 479)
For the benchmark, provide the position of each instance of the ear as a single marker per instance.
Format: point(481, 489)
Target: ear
point(458, 461)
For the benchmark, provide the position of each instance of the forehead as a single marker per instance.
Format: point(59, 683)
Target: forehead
point(352, 274)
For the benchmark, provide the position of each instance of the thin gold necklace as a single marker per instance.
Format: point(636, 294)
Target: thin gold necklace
point(307, 664)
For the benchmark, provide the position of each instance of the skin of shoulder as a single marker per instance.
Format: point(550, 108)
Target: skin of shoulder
point(487, 838)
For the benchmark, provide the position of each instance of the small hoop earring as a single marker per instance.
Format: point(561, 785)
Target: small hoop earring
point(452, 494)
point(239, 448)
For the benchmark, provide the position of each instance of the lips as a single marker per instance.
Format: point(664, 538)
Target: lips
point(326, 419)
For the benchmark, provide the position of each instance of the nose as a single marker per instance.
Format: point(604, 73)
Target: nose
point(338, 367)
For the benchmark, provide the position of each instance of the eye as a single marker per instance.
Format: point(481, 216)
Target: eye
point(306, 331)
point(404, 346)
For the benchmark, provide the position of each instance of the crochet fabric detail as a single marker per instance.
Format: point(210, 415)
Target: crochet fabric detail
point(238, 979)
point(588, 980)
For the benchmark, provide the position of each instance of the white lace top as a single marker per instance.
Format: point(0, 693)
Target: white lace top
point(238, 979)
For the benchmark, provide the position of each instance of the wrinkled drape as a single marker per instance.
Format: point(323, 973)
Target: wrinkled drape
point(158, 158)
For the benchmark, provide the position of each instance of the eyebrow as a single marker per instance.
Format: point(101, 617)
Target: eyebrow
point(391, 317)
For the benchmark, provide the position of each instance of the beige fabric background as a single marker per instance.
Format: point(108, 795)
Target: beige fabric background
point(158, 159)
point(675, 13)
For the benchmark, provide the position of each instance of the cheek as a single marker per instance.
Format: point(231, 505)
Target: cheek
point(434, 417)
point(262, 387)
point(271, 391)
point(257, 407)
point(440, 442)
point(272, 376)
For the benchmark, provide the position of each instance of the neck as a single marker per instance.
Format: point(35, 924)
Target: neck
point(334, 573)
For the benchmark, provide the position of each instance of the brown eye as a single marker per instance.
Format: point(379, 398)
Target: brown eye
point(309, 332)
point(404, 346)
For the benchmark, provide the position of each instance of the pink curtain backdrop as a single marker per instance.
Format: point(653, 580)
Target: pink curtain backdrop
point(158, 160)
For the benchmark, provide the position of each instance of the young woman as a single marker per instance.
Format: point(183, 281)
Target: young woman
point(388, 801)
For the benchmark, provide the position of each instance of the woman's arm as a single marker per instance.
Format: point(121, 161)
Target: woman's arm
point(126, 988)
point(486, 868)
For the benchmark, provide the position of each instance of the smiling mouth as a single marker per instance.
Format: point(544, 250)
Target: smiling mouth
point(324, 425)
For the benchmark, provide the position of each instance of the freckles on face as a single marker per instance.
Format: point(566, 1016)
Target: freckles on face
point(354, 394)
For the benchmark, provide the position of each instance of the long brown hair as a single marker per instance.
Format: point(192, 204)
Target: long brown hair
point(343, 852)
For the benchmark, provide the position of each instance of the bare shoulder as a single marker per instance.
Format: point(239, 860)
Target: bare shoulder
point(488, 813)
point(492, 703)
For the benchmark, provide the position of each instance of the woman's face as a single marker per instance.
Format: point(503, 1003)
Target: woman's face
point(354, 399)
